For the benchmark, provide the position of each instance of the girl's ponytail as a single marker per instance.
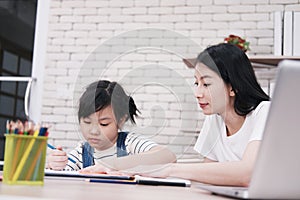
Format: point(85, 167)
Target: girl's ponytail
point(132, 110)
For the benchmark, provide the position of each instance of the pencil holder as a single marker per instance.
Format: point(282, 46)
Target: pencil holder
point(24, 159)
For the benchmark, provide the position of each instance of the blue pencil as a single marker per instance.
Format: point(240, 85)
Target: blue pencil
point(43, 131)
point(70, 159)
point(131, 182)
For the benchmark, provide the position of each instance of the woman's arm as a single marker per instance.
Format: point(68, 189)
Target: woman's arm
point(207, 160)
point(157, 155)
point(237, 173)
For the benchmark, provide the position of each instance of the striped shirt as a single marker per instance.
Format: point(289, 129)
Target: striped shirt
point(134, 143)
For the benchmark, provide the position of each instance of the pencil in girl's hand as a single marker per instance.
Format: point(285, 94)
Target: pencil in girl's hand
point(50, 146)
point(53, 147)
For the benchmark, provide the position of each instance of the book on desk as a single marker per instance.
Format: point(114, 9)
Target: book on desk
point(117, 179)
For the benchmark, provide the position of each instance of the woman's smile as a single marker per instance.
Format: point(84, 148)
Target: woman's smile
point(203, 105)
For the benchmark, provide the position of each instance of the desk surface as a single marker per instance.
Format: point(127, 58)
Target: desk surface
point(79, 189)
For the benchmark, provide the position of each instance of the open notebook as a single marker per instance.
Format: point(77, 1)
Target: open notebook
point(75, 174)
point(121, 179)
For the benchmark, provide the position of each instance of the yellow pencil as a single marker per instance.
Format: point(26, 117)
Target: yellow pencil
point(32, 165)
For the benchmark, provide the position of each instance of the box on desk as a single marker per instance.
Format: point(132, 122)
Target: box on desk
point(24, 159)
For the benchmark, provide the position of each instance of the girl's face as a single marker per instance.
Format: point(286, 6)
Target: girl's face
point(100, 129)
point(212, 93)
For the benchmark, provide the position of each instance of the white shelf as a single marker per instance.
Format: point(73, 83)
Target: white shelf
point(258, 61)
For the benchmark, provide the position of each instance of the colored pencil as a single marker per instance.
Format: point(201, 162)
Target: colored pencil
point(7, 127)
point(131, 182)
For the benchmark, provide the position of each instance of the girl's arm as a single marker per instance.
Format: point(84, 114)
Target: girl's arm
point(237, 173)
point(57, 159)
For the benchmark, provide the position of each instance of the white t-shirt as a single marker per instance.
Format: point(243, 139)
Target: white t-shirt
point(214, 143)
point(134, 143)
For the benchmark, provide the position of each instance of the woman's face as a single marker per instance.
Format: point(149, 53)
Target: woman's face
point(211, 91)
point(100, 129)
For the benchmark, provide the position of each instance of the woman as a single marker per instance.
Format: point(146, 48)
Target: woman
point(236, 108)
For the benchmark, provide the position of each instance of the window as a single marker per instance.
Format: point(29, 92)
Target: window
point(17, 21)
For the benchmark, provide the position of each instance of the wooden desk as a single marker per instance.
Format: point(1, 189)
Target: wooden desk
point(81, 190)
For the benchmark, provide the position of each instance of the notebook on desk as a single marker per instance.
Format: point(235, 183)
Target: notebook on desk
point(76, 174)
point(277, 171)
point(117, 179)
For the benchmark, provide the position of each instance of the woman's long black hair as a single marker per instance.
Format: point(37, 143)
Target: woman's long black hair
point(234, 67)
point(102, 93)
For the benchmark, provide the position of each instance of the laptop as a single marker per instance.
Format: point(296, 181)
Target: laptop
point(276, 173)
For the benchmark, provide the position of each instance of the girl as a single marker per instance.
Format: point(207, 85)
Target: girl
point(104, 107)
point(236, 107)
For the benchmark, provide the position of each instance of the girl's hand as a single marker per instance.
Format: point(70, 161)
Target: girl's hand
point(57, 159)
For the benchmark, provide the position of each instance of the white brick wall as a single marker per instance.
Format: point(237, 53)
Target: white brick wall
point(77, 28)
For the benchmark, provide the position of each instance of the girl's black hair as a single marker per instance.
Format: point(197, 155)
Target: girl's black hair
point(234, 67)
point(102, 93)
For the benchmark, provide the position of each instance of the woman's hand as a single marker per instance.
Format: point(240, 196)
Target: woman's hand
point(57, 159)
point(101, 169)
point(97, 168)
point(158, 171)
